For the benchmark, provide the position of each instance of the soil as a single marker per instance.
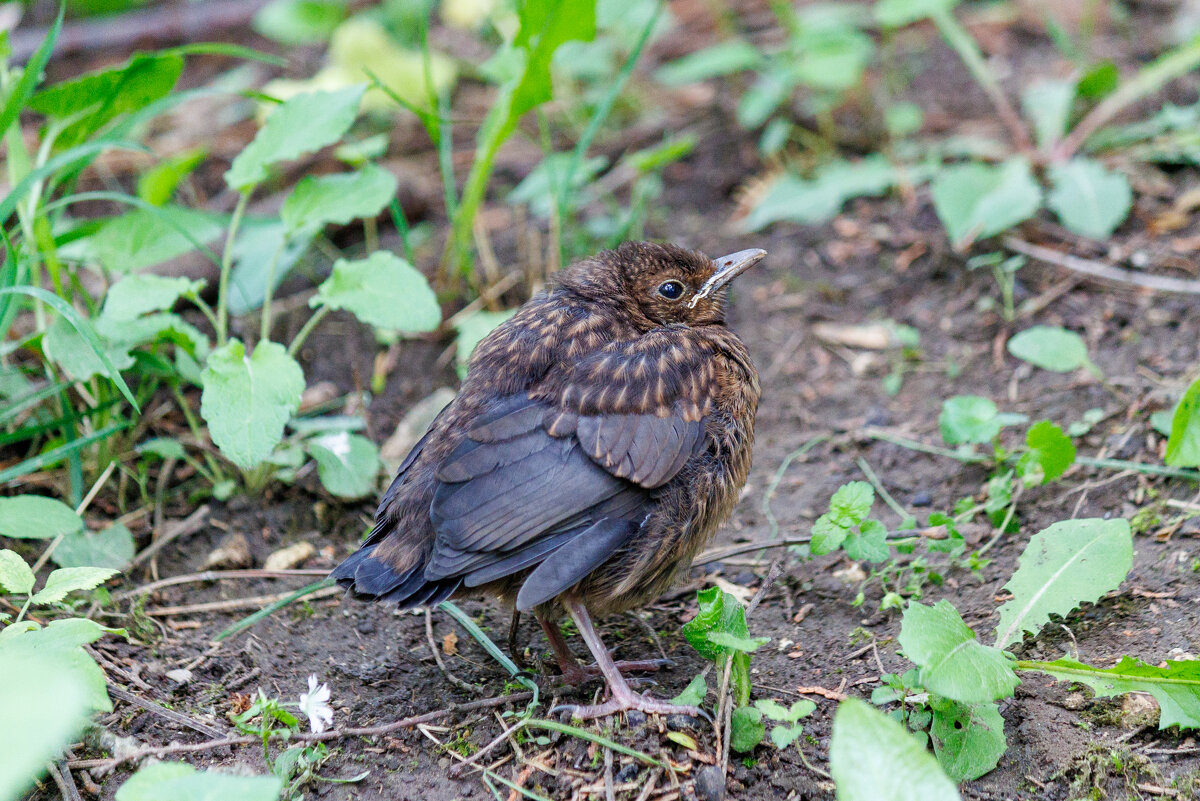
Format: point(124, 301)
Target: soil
point(879, 260)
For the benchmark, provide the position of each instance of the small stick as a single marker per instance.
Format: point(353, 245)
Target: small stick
point(331, 734)
point(1097, 269)
point(189, 525)
point(441, 663)
point(235, 603)
point(61, 775)
point(83, 505)
point(213, 575)
point(164, 713)
point(460, 768)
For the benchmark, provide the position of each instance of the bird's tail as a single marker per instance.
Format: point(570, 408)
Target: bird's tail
point(369, 577)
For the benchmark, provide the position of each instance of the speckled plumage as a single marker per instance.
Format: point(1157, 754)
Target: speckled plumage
point(603, 426)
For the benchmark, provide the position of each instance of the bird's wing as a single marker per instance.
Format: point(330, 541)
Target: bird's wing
point(562, 477)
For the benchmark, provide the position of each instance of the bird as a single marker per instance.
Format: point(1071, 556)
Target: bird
point(601, 436)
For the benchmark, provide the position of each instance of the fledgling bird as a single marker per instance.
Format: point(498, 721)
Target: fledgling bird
point(601, 436)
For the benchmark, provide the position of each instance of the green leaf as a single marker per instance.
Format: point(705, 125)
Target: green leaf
point(1090, 199)
point(157, 185)
point(827, 535)
point(1048, 105)
point(1069, 563)
point(694, 693)
point(67, 346)
point(15, 575)
point(874, 758)
point(30, 77)
point(976, 201)
point(539, 188)
point(868, 544)
point(820, 198)
point(746, 729)
point(108, 93)
point(134, 295)
point(113, 547)
point(319, 200)
point(851, 503)
point(63, 639)
point(177, 781)
point(66, 580)
point(1050, 452)
point(299, 22)
point(726, 58)
point(1051, 348)
point(34, 517)
point(546, 24)
point(258, 243)
point(970, 419)
point(1183, 445)
point(1176, 687)
point(1100, 80)
point(778, 712)
point(968, 740)
point(347, 464)
point(952, 662)
point(49, 699)
point(247, 400)
point(471, 331)
point(897, 13)
point(148, 237)
point(381, 290)
point(734, 642)
point(783, 736)
point(304, 124)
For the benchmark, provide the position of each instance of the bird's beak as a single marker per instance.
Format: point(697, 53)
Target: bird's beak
point(728, 268)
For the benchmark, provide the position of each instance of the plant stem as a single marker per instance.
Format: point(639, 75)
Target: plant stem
point(303, 333)
point(961, 41)
point(883, 493)
point(264, 328)
point(1150, 79)
point(912, 444)
point(227, 267)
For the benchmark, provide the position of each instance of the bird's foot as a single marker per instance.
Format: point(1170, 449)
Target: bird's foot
point(627, 701)
point(578, 674)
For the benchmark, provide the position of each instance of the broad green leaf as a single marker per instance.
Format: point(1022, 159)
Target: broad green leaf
point(546, 24)
point(827, 535)
point(319, 200)
point(147, 237)
point(113, 547)
point(258, 244)
point(968, 740)
point(134, 295)
point(298, 22)
point(247, 400)
point(746, 729)
point(66, 580)
point(48, 698)
point(108, 93)
point(783, 736)
point(66, 346)
point(719, 612)
point(301, 125)
point(1050, 452)
point(63, 639)
point(833, 59)
point(347, 464)
point(952, 662)
point(71, 632)
point(177, 781)
point(694, 693)
point(820, 198)
point(15, 575)
point(770, 88)
point(1069, 563)
point(851, 503)
point(976, 201)
point(382, 290)
point(897, 13)
point(1048, 105)
point(734, 642)
point(968, 419)
point(1090, 199)
point(868, 544)
point(34, 517)
point(874, 758)
point(730, 56)
point(1176, 687)
point(471, 331)
point(157, 185)
point(778, 712)
point(1051, 348)
point(1183, 445)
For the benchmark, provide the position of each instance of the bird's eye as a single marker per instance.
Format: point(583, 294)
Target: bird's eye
point(671, 290)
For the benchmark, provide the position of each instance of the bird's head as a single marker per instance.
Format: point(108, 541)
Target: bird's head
point(665, 284)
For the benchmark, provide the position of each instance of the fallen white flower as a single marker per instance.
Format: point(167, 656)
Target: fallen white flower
point(315, 704)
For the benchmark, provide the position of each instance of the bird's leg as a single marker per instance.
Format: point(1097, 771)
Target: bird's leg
point(513, 629)
point(575, 673)
point(621, 697)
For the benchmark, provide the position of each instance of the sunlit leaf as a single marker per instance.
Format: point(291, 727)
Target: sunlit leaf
point(36, 517)
point(346, 463)
point(1090, 199)
point(976, 201)
point(181, 782)
point(319, 200)
point(1051, 348)
point(952, 662)
point(1183, 444)
point(381, 290)
point(968, 740)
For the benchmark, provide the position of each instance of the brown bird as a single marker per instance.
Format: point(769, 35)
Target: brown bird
point(602, 435)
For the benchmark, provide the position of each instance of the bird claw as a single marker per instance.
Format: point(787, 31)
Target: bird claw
point(641, 703)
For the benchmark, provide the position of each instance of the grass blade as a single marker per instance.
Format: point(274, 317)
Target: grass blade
point(59, 454)
point(271, 609)
point(32, 75)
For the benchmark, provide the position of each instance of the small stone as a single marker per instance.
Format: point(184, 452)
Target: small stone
point(444, 762)
point(879, 418)
point(710, 783)
point(291, 556)
point(365, 627)
point(180, 676)
point(627, 773)
point(1075, 701)
point(635, 718)
point(234, 552)
point(684, 722)
point(922, 498)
